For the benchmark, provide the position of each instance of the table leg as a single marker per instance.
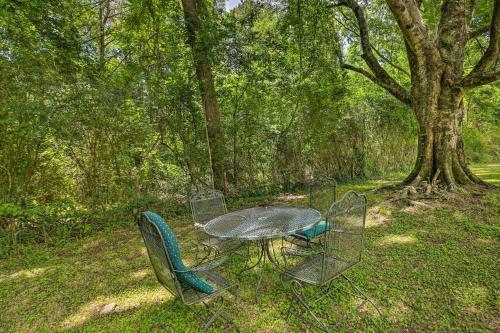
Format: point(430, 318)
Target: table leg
point(261, 255)
point(266, 246)
point(265, 253)
point(272, 257)
point(261, 273)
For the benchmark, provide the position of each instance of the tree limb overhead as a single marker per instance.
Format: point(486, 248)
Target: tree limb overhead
point(489, 60)
point(480, 79)
point(383, 79)
point(411, 23)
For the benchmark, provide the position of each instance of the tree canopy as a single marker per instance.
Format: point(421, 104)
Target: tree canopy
point(100, 103)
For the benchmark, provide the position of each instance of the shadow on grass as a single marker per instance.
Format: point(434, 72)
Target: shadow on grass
point(427, 270)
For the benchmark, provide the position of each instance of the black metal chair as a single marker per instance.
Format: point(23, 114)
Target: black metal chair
point(322, 192)
point(205, 206)
point(341, 248)
point(190, 285)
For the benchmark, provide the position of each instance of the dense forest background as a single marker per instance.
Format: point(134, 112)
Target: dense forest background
point(100, 109)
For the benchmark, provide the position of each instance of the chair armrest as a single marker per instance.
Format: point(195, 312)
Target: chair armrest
point(304, 238)
point(296, 252)
point(203, 267)
point(290, 251)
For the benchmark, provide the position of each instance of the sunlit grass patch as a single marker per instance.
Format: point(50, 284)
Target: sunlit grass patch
point(123, 302)
point(489, 173)
point(25, 273)
point(397, 239)
point(432, 269)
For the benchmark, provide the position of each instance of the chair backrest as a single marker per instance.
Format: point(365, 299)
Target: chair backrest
point(207, 205)
point(343, 241)
point(322, 192)
point(158, 255)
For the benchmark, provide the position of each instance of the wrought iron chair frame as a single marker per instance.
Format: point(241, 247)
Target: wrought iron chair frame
point(323, 181)
point(202, 236)
point(178, 290)
point(325, 283)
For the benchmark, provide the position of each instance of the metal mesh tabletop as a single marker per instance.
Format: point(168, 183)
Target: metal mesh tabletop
point(262, 222)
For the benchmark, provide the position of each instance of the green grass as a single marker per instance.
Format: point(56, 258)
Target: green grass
point(431, 267)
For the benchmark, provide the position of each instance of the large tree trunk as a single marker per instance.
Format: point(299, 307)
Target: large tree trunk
point(215, 136)
point(441, 158)
point(436, 56)
point(437, 101)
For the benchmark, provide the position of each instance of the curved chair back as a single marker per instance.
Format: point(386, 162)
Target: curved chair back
point(207, 205)
point(158, 255)
point(322, 192)
point(343, 241)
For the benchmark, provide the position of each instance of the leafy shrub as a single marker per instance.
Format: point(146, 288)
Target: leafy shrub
point(476, 145)
point(53, 223)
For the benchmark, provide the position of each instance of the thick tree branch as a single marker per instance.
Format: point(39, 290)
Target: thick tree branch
point(489, 60)
point(480, 79)
point(411, 23)
point(384, 58)
point(383, 79)
point(361, 71)
point(403, 98)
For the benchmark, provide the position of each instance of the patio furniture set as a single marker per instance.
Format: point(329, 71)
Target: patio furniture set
point(319, 243)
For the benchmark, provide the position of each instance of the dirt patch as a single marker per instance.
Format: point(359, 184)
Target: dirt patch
point(376, 219)
point(378, 215)
point(438, 240)
point(415, 207)
point(92, 244)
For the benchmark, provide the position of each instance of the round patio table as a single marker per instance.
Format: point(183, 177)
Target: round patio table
point(262, 224)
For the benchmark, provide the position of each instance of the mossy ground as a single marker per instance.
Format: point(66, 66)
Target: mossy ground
point(429, 267)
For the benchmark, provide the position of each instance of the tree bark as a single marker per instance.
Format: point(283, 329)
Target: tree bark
point(215, 136)
point(441, 156)
point(437, 98)
point(438, 83)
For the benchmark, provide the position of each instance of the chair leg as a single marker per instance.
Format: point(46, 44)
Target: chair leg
point(296, 290)
point(218, 314)
point(214, 316)
point(298, 295)
point(362, 294)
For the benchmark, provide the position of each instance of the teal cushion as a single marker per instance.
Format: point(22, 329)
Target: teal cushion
point(188, 278)
point(317, 230)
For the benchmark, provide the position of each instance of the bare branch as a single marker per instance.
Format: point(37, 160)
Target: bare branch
point(382, 77)
point(411, 23)
point(361, 71)
point(403, 98)
point(480, 79)
point(489, 59)
point(387, 60)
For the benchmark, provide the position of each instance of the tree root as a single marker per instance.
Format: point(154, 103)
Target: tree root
point(422, 189)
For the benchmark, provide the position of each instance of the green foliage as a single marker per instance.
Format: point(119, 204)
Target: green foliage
point(481, 134)
point(51, 224)
point(427, 269)
point(476, 145)
point(101, 115)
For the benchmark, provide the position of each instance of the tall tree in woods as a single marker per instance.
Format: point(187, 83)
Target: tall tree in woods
point(194, 25)
point(436, 54)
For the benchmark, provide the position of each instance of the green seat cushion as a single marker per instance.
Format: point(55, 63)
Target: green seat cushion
point(188, 278)
point(317, 230)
